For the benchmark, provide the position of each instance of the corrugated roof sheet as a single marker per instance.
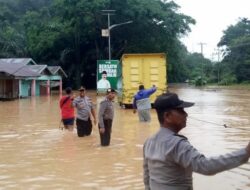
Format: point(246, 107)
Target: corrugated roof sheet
point(10, 68)
point(55, 69)
point(19, 67)
point(22, 61)
point(37, 68)
point(26, 71)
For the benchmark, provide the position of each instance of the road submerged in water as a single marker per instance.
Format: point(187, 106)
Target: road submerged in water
point(35, 154)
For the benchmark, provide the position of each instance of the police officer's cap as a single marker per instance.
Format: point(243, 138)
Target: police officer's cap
point(168, 101)
point(110, 90)
point(81, 88)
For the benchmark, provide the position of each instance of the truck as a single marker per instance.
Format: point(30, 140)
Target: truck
point(136, 69)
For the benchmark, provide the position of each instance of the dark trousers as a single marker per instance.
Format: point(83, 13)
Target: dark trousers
point(84, 128)
point(105, 137)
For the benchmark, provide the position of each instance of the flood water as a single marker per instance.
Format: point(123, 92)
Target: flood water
point(35, 154)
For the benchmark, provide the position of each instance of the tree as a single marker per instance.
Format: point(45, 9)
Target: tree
point(68, 32)
point(199, 67)
point(236, 39)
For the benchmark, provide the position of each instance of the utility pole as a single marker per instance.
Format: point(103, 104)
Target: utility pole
point(109, 13)
point(106, 33)
point(217, 52)
point(202, 66)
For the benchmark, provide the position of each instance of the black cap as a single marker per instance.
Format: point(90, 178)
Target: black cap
point(168, 101)
point(110, 90)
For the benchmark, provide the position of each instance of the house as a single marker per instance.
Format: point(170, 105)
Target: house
point(22, 77)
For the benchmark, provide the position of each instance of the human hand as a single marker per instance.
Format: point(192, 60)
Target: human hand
point(102, 130)
point(134, 110)
point(72, 97)
point(95, 121)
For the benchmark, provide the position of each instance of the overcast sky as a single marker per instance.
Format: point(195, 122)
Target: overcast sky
point(212, 17)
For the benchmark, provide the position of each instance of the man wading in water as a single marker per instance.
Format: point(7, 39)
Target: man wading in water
point(142, 104)
point(169, 158)
point(106, 115)
point(67, 110)
point(85, 109)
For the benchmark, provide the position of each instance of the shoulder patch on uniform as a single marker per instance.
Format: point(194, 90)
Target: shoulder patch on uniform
point(182, 136)
point(89, 100)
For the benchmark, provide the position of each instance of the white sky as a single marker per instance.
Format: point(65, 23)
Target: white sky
point(212, 17)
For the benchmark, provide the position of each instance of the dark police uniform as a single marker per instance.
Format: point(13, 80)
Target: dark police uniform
point(105, 117)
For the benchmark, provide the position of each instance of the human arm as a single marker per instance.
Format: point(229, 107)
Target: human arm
point(93, 115)
point(151, 90)
point(74, 102)
point(145, 171)
point(101, 114)
point(72, 97)
point(188, 157)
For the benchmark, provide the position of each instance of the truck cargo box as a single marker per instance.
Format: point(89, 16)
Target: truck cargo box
point(136, 69)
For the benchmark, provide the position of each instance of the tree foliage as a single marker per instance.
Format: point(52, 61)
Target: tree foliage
point(68, 32)
point(236, 39)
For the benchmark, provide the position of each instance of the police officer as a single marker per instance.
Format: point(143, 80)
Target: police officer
point(85, 109)
point(105, 117)
point(169, 158)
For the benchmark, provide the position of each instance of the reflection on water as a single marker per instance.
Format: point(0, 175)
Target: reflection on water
point(35, 154)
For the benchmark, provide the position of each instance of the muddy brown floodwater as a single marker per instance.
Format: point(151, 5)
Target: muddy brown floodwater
point(35, 154)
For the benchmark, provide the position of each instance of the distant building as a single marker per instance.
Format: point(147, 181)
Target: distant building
point(22, 77)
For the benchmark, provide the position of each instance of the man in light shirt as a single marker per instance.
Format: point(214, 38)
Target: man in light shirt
point(170, 159)
point(85, 109)
point(103, 83)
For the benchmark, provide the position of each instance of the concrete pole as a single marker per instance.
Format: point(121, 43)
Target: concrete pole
point(48, 88)
point(20, 88)
point(60, 87)
point(33, 87)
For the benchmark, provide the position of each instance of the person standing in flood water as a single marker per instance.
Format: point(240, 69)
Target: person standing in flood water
point(85, 109)
point(105, 117)
point(169, 158)
point(67, 109)
point(142, 104)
